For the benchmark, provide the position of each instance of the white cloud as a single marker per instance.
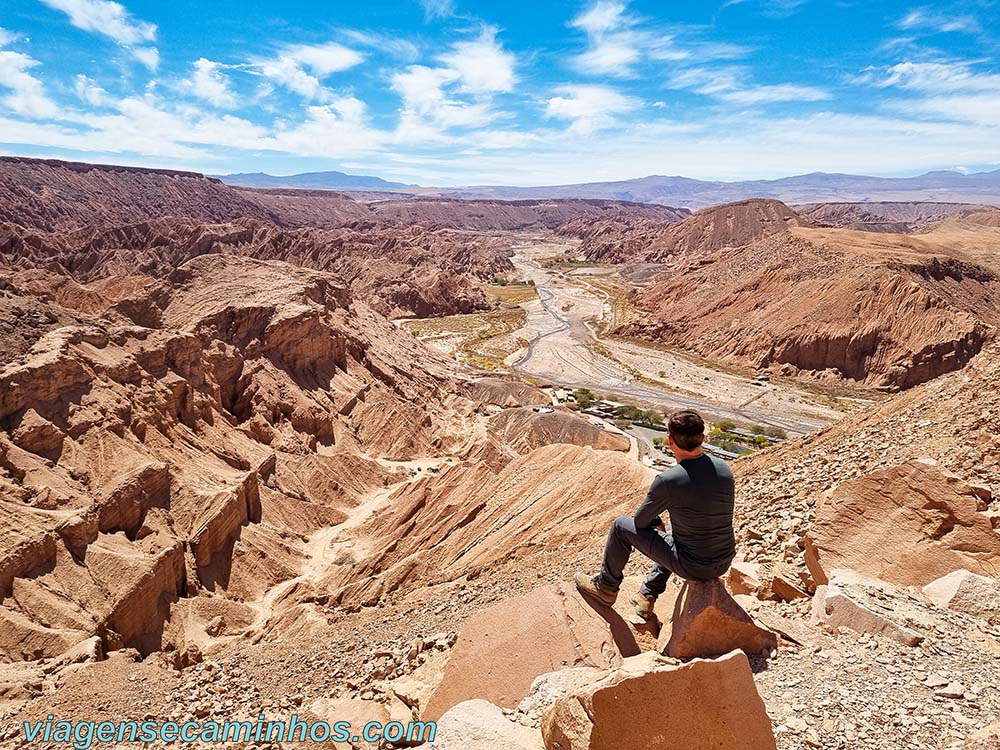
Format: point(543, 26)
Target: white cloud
point(90, 93)
point(210, 84)
point(457, 94)
point(616, 43)
point(112, 20)
point(27, 95)
point(982, 108)
point(428, 110)
point(936, 21)
point(438, 8)
point(6, 37)
point(613, 47)
point(732, 84)
point(482, 64)
point(336, 130)
point(148, 56)
point(602, 17)
point(945, 91)
point(324, 59)
point(288, 68)
point(772, 8)
point(590, 108)
point(934, 77)
point(610, 56)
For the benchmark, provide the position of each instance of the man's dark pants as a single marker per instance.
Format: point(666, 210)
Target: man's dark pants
point(657, 545)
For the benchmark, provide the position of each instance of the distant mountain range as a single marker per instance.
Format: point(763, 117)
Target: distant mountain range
point(313, 181)
point(983, 187)
point(940, 186)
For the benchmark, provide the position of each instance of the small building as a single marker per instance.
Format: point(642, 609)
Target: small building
point(719, 452)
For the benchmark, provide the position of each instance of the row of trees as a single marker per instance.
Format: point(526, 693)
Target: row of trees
point(727, 425)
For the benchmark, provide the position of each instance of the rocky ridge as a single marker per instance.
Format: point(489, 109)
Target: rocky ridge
point(885, 311)
point(630, 239)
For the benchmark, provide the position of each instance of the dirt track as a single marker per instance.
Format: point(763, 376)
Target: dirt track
point(561, 351)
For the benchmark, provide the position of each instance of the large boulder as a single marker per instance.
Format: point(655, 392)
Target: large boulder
point(479, 725)
point(967, 592)
point(909, 525)
point(502, 649)
point(648, 704)
point(708, 622)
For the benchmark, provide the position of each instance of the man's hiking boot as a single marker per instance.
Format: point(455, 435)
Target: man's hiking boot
point(590, 586)
point(643, 605)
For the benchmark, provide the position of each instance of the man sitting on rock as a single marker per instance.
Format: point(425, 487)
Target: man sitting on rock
point(699, 495)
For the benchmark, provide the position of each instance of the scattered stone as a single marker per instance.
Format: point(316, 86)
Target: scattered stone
point(951, 690)
point(744, 578)
point(784, 584)
point(548, 688)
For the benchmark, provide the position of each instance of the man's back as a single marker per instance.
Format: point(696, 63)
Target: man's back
point(699, 493)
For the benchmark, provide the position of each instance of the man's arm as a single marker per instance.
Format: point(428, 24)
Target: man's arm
point(657, 500)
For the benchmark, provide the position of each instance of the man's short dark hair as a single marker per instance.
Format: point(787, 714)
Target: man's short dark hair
point(687, 428)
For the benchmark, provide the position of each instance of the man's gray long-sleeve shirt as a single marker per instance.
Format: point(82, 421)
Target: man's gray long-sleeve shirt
point(699, 494)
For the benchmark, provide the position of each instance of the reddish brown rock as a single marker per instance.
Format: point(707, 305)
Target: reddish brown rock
point(785, 585)
point(888, 311)
point(707, 622)
point(502, 649)
point(745, 578)
point(908, 524)
point(630, 238)
point(701, 705)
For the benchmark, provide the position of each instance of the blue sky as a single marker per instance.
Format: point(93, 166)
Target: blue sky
point(452, 92)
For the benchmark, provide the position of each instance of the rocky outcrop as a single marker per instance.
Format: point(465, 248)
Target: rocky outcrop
point(420, 273)
point(471, 518)
point(883, 311)
point(502, 649)
point(987, 738)
point(885, 216)
point(495, 215)
point(524, 429)
point(190, 441)
point(629, 238)
point(648, 704)
point(707, 622)
point(909, 525)
point(58, 195)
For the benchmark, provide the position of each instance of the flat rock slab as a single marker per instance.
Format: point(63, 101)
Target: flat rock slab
point(648, 704)
point(707, 622)
point(855, 602)
point(502, 649)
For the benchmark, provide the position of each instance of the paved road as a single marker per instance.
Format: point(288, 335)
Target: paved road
point(560, 353)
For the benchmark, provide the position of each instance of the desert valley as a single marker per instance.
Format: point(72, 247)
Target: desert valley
point(271, 450)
